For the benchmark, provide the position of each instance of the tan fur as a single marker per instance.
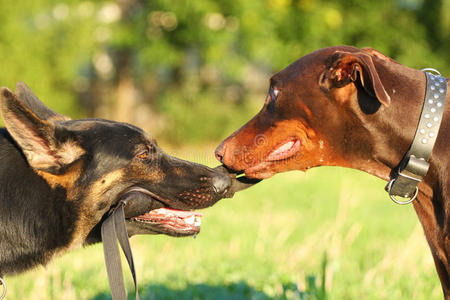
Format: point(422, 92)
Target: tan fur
point(65, 180)
point(69, 152)
point(89, 217)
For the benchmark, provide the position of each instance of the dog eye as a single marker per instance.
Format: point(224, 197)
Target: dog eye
point(273, 93)
point(143, 155)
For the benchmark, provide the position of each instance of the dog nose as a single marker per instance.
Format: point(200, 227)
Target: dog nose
point(220, 152)
point(221, 183)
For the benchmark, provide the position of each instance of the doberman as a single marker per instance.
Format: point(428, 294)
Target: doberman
point(342, 106)
point(60, 178)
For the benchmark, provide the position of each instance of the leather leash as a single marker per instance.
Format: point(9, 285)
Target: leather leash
point(114, 228)
point(414, 165)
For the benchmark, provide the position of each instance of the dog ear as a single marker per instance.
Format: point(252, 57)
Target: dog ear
point(24, 93)
point(345, 67)
point(36, 136)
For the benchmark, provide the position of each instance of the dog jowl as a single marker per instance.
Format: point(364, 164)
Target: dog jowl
point(59, 178)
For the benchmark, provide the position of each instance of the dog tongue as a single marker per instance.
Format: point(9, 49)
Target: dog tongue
point(180, 218)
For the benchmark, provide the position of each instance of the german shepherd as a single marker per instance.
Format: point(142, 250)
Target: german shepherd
point(59, 179)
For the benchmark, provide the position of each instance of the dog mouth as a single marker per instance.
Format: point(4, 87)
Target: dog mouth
point(171, 221)
point(148, 213)
point(282, 153)
point(285, 150)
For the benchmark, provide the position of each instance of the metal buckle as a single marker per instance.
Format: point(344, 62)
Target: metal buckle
point(414, 165)
point(388, 189)
point(429, 70)
point(3, 283)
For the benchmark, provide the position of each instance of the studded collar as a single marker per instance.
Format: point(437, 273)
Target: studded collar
point(414, 165)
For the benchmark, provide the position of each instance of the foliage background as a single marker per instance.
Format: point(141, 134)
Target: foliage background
point(181, 68)
point(190, 73)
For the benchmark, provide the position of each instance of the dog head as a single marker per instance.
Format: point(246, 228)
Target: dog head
point(327, 108)
point(94, 163)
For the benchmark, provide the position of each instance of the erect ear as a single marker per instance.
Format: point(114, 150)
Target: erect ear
point(345, 67)
point(29, 99)
point(36, 136)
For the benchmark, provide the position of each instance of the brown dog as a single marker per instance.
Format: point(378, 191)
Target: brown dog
point(342, 106)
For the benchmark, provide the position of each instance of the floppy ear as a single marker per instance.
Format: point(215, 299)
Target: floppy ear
point(36, 136)
point(345, 67)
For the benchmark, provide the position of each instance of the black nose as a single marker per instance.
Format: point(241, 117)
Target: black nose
point(221, 183)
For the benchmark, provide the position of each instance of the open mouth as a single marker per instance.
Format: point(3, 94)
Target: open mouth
point(147, 213)
point(172, 220)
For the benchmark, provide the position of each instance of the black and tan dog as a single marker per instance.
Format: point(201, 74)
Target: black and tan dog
point(59, 178)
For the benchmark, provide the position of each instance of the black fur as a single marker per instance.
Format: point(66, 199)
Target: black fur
point(34, 219)
point(59, 178)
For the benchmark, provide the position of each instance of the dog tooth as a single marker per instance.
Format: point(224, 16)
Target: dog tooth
point(191, 220)
point(198, 221)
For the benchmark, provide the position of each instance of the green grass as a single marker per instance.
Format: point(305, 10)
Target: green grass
point(331, 233)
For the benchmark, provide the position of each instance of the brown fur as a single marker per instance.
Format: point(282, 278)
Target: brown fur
point(363, 108)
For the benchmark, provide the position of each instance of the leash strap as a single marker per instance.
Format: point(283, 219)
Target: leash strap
point(114, 228)
point(414, 165)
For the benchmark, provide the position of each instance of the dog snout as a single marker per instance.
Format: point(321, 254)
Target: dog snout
point(220, 152)
point(221, 183)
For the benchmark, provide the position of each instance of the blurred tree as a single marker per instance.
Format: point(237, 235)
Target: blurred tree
point(195, 70)
point(44, 44)
point(430, 15)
